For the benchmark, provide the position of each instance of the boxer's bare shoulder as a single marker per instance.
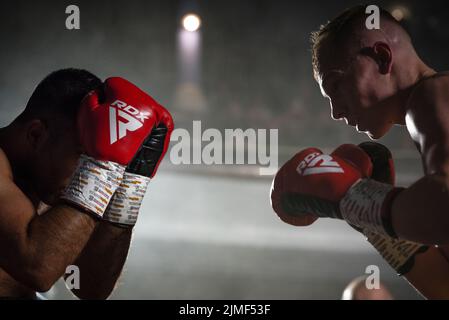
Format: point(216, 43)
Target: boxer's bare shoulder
point(8, 286)
point(428, 121)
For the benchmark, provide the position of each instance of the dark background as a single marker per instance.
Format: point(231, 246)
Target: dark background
point(220, 238)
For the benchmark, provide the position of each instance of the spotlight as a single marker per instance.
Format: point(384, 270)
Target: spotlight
point(400, 13)
point(191, 22)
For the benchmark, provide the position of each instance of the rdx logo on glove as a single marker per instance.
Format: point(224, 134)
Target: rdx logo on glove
point(118, 128)
point(316, 163)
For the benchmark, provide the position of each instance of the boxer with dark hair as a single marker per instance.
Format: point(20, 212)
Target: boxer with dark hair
point(74, 168)
point(374, 79)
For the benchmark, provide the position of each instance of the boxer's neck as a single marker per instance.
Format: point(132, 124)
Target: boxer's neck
point(406, 84)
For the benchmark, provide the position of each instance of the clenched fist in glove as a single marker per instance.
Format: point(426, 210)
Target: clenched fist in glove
point(113, 123)
point(313, 185)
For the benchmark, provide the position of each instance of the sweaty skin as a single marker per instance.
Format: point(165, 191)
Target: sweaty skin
point(427, 120)
point(374, 84)
point(421, 212)
point(35, 249)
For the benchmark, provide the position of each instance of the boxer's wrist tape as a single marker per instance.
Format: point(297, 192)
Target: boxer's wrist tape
point(399, 254)
point(93, 184)
point(127, 200)
point(367, 205)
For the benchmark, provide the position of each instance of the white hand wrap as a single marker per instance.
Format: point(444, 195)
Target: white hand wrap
point(364, 203)
point(93, 184)
point(127, 200)
point(399, 254)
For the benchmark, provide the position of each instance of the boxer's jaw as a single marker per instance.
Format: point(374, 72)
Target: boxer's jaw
point(361, 86)
point(362, 97)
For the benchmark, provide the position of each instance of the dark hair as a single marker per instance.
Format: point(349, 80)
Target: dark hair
point(59, 95)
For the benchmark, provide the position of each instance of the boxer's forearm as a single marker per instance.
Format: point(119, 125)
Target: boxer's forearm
point(421, 212)
point(47, 245)
point(413, 261)
point(432, 284)
point(102, 260)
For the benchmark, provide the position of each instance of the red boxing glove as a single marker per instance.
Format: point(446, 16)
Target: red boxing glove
point(313, 185)
point(114, 121)
point(125, 205)
point(310, 185)
point(382, 162)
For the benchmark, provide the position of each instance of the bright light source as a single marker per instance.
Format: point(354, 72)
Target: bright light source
point(400, 13)
point(191, 22)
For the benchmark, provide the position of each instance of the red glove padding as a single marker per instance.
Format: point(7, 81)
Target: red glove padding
point(337, 186)
point(311, 184)
point(114, 120)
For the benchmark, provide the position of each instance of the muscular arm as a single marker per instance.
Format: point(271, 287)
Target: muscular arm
point(430, 274)
point(421, 213)
point(102, 260)
point(35, 250)
point(425, 268)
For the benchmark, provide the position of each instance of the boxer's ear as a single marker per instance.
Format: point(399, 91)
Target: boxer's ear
point(381, 53)
point(383, 57)
point(37, 134)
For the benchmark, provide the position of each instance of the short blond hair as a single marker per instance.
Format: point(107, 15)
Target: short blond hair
point(336, 30)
